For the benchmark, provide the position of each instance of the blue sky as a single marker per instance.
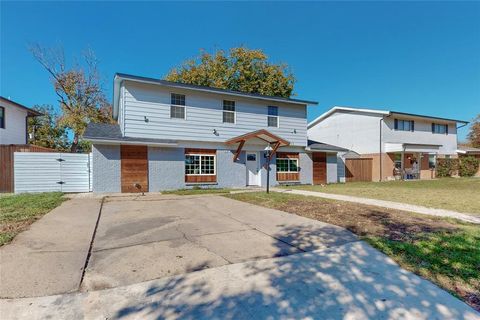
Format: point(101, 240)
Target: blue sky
point(412, 57)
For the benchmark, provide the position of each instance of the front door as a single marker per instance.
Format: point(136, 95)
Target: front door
point(253, 169)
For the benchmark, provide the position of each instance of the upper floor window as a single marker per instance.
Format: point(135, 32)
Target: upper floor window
point(404, 125)
point(2, 117)
point(177, 107)
point(440, 128)
point(272, 116)
point(228, 111)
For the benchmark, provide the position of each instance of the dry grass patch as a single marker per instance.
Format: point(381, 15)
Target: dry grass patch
point(445, 251)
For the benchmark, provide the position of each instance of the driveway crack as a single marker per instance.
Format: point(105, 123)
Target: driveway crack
point(198, 244)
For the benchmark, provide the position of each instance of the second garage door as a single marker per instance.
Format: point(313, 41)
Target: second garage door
point(134, 168)
point(319, 167)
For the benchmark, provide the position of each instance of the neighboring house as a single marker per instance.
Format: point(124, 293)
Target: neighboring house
point(13, 138)
point(172, 135)
point(470, 152)
point(398, 144)
point(14, 122)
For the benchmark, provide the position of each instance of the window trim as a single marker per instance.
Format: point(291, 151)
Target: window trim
point(273, 116)
point(437, 125)
point(4, 121)
point(397, 122)
point(288, 160)
point(229, 111)
point(200, 161)
point(178, 105)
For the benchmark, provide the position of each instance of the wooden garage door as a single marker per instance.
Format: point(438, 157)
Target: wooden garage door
point(319, 167)
point(358, 169)
point(134, 168)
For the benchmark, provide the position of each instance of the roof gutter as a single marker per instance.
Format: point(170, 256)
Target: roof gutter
point(114, 141)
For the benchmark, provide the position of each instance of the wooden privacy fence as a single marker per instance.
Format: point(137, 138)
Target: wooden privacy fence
point(358, 169)
point(7, 165)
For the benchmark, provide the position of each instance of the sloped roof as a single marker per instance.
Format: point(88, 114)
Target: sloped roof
point(375, 111)
point(111, 133)
point(315, 145)
point(30, 111)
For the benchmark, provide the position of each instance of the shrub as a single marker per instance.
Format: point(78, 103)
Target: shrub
point(446, 167)
point(468, 166)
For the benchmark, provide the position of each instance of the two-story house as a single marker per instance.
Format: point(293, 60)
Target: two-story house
point(14, 122)
point(398, 143)
point(171, 135)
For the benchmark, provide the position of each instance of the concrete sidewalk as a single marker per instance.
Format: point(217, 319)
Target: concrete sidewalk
point(50, 256)
point(386, 204)
point(351, 281)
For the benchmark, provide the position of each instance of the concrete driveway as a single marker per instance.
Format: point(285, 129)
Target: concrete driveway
point(250, 262)
point(140, 239)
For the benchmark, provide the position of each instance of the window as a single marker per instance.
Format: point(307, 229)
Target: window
point(2, 117)
point(431, 161)
point(404, 125)
point(272, 116)
point(199, 164)
point(228, 111)
point(439, 128)
point(287, 165)
point(398, 160)
point(177, 108)
point(251, 157)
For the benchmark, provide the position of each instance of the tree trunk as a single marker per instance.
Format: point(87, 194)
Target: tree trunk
point(74, 146)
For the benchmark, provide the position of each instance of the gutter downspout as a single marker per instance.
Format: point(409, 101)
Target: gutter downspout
point(380, 146)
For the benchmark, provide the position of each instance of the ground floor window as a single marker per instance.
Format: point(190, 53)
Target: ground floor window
point(432, 159)
point(287, 166)
point(398, 161)
point(200, 165)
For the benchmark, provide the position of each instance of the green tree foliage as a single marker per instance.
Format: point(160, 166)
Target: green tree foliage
point(468, 166)
point(45, 130)
point(447, 167)
point(474, 134)
point(241, 69)
point(78, 90)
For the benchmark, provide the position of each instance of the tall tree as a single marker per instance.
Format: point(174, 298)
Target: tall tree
point(474, 134)
point(241, 69)
point(45, 131)
point(78, 90)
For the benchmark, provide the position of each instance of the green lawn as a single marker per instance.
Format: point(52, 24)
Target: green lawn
point(17, 212)
point(444, 251)
point(458, 194)
point(185, 192)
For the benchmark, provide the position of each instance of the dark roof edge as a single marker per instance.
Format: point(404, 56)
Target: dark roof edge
point(205, 88)
point(30, 110)
point(429, 117)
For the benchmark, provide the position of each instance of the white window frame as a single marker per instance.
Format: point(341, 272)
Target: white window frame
point(438, 125)
point(272, 116)
point(200, 155)
point(411, 122)
point(4, 118)
point(289, 159)
point(178, 105)
point(229, 111)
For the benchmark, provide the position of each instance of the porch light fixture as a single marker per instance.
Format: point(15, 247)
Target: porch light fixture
point(215, 132)
point(145, 118)
point(268, 151)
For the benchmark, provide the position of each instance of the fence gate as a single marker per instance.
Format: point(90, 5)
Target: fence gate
point(52, 171)
point(358, 169)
